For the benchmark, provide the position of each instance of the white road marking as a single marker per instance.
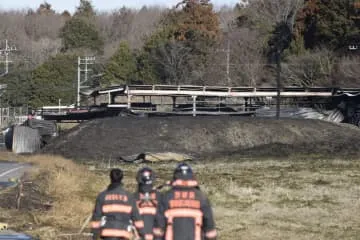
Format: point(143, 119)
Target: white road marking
point(10, 171)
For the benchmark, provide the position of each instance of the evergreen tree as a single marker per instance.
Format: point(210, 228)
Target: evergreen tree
point(327, 23)
point(80, 35)
point(196, 20)
point(178, 51)
point(18, 91)
point(121, 67)
point(54, 80)
point(85, 10)
point(45, 9)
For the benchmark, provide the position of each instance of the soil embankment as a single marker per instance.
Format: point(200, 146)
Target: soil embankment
point(112, 138)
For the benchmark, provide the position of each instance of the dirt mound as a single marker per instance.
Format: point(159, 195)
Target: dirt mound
point(112, 138)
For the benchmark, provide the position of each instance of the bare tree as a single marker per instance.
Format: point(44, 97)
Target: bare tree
point(115, 25)
point(274, 11)
point(127, 25)
point(172, 58)
point(46, 25)
point(247, 57)
point(227, 17)
point(347, 72)
point(309, 70)
point(146, 22)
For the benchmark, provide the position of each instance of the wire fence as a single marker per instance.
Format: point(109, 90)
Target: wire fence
point(13, 115)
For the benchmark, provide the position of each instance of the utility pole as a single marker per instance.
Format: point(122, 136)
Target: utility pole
point(227, 51)
point(6, 51)
point(82, 61)
point(228, 63)
point(278, 83)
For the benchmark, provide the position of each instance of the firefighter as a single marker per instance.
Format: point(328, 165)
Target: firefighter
point(116, 212)
point(185, 212)
point(147, 199)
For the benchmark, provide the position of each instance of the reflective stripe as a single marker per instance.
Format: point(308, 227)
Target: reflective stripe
point(158, 232)
point(211, 234)
point(139, 224)
point(149, 237)
point(183, 213)
point(147, 210)
point(115, 233)
point(169, 232)
point(116, 208)
point(95, 224)
point(185, 183)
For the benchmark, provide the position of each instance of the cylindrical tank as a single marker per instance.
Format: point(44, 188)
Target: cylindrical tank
point(8, 137)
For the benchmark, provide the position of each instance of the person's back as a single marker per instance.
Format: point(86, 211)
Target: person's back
point(115, 208)
point(186, 213)
point(147, 199)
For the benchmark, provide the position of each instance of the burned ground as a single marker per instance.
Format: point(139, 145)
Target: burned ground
point(33, 198)
point(205, 137)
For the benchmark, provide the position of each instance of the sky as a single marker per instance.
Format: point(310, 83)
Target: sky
point(70, 5)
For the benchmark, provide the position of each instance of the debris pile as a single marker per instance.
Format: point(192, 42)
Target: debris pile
point(203, 137)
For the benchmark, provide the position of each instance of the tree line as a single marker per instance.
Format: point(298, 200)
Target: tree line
point(191, 43)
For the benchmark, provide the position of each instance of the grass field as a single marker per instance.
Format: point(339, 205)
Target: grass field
point(252, 199)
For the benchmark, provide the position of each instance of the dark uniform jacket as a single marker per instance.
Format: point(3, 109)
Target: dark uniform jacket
point(185, 213)
point(114, 209)
point(148, 208)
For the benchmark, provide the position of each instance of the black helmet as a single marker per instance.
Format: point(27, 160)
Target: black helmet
point(145, 176)
point(183, 171)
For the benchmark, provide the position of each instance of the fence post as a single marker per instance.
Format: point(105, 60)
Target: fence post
point(194, 105)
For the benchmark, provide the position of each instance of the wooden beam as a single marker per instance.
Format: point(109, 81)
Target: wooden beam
point(227, 94)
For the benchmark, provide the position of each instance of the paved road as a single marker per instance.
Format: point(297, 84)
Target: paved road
point(11, 170)
point(11, 235)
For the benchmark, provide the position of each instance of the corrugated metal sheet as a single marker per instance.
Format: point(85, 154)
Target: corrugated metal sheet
point(302, 113)
point(25, 140)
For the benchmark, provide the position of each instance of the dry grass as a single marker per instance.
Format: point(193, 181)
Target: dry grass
point(252, 199)
point(290, 199)
point(71, 187)
point(286, 200)
point(66, 125)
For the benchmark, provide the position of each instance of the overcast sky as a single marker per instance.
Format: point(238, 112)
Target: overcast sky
point(60, 5)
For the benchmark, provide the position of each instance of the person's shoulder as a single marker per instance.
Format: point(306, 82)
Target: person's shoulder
point(159, 194)
point(101, 195)
point(165, 194)
point(169, 191)
point(135, 194)
point(201, 194)
point(131, 196)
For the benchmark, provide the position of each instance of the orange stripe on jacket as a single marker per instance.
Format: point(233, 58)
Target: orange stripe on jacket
point(149, 237)
point(211, 234)
point(95, 224)
point(115, 233)
point(120, 208)
point(185, 183)
point(147, 210)
point(139, 224)
point(158, 232)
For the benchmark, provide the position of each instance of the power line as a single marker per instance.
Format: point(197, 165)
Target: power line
point(6, 52)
